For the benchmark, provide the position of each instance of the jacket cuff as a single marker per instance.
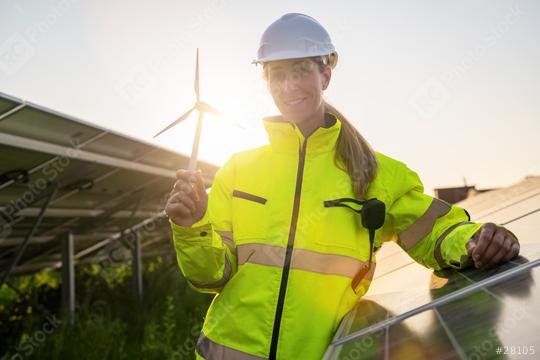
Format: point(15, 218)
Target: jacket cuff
point(456, 251)
point(201, 231)
point(454, 248)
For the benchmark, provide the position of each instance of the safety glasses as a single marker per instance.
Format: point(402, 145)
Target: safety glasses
point(281, 75)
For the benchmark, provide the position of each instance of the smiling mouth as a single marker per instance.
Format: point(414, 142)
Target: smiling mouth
point(294, 101)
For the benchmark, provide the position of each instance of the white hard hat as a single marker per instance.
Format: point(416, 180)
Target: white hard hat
point(295, 36)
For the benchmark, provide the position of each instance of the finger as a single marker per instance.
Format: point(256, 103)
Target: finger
point(182, 184)
point(184, 174)
point(494, 247)
point(514, 250)
point(198, 183)
point(517, 247)
point(184, 190)
point(174, 197)
point(187, 201)
point(176, 187)
point(183, 198)
point(174, 191)
point(178, 208)
point(486, 233)
point(505, 249)
point(471, 244)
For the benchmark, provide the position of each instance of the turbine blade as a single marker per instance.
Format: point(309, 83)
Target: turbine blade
point(235, 123)
point(197, 76)
point(207, 108)
point(177, 121)
point(238, 125)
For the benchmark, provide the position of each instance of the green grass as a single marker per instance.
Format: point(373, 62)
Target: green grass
point(110, 323)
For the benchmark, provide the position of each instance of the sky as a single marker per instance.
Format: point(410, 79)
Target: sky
point(451, 88)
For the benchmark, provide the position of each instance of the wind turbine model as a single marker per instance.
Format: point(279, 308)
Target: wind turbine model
point(202, 108)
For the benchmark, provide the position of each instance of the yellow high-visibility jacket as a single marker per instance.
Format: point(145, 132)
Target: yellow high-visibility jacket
point(286, 269)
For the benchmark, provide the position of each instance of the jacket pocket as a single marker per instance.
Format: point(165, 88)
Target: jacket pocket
point(339, 227)
point(250, 215)
point(248, 196)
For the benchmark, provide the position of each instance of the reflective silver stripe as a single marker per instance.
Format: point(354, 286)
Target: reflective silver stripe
point(262, 254)
point(302, 259)
point(437, 253)
point(330, 264)
point(218, 283)
point(213, 351)
point(424, 225)
point(227, 238)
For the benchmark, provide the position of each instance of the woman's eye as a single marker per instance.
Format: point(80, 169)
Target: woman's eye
point(305, 67)
point(303, 71)
point(277, 76)
point(297, 75)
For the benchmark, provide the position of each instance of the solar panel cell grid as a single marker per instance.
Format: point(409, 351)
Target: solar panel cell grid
point(451, 314)
point(100, 187)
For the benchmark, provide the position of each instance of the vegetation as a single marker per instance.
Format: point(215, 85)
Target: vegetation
point(110, 322)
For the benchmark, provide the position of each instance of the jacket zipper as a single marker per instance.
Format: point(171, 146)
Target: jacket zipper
point(288, 253)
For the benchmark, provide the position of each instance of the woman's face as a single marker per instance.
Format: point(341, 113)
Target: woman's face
point(297, 87)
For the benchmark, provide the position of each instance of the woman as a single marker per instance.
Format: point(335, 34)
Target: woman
point(278, 238)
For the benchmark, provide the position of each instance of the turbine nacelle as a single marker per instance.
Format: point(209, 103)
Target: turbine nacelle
point(201, 108)
point(205, 108)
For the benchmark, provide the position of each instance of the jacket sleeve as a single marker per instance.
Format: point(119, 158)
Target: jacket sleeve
point(431, 231)
point(205, 251)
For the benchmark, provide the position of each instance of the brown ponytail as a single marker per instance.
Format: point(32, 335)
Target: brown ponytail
point(354, 155)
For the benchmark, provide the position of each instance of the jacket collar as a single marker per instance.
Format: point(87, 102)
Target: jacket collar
point(287, 137)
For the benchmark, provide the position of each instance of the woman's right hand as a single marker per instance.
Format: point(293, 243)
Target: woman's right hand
point(188, 199)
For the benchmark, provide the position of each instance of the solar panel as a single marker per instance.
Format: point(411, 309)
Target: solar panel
point(472, 326)
point(414, 313)
point(108, 183)
point(7, 104)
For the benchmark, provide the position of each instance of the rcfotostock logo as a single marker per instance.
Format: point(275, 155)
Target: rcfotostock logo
point(15, 52)
point(430, 97)
point(17, 49)
point(139, 82)
point(435, 92)
point(38, 338)
point(142, 78)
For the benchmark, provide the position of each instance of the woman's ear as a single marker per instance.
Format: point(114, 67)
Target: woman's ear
point(327, 75)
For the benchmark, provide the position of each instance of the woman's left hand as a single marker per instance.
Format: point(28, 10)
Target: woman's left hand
point(492, 245)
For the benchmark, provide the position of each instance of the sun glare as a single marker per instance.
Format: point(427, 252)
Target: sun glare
point(238, 126)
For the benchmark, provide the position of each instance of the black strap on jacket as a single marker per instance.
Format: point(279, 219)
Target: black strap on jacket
point(372, 212)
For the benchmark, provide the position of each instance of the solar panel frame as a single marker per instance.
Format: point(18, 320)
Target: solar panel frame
point(521, 213)
point(34, 138)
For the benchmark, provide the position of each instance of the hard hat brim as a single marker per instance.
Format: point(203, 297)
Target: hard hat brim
point(289, 55)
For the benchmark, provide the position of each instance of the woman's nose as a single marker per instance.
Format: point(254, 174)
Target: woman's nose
point(291, 82)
